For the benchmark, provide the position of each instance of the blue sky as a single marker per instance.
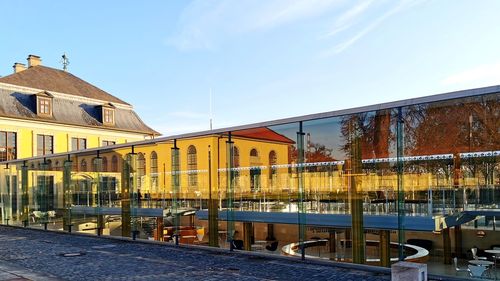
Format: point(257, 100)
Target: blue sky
point(262, 59)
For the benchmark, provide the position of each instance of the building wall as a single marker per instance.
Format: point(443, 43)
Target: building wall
point(28, 130)
point(219, 162)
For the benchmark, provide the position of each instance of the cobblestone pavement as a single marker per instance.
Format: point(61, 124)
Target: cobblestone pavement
point(36, 255)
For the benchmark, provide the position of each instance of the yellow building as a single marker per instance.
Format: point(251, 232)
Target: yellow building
point(109, 176)
point(45, 110)
point(152, 165)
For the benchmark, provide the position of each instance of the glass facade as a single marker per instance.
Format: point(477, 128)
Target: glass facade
point(416, 180)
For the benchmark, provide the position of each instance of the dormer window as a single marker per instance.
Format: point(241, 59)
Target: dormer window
point(44, 104)
point(107, 114)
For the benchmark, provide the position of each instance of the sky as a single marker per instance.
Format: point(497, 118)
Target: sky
point(180, 63)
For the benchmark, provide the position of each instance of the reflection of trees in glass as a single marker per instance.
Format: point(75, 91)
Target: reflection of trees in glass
point(373, 130)
point(482, 168)
point(447, 127)
point(486, 123)
point(453, 127)
point(315, 152)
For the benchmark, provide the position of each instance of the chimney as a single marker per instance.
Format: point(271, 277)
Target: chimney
point(18, 67)
point(34, 60)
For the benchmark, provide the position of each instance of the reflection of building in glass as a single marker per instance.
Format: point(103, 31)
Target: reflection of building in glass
point(411, 179)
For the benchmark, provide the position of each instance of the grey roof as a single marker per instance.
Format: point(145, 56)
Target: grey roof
point(51, 79)
point(72, 112)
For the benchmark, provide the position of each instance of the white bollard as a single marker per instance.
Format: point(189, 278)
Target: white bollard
point(408, 271)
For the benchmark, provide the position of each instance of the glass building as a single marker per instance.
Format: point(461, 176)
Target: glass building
point(416, 180)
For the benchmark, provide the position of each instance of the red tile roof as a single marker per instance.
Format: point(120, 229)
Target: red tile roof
point(262, 133)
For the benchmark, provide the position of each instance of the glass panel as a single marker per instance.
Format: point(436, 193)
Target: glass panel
point(5, 195)
point(175, 184)
point(348, 170)
point(371, 187)
point(67, 195)
point(301, 190)
point(451, 169)
point(260, 185)
point(230, 191)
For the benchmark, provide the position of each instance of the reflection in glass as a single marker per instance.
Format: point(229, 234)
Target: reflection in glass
point(369, 187)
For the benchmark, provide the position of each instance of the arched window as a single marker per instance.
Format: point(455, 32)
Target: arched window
point(236, 163)
point(254, 153)
point(104, 164)
point(95, 164)
point(273, 160)
point(141, 169)
point(236, 157)
point(83, 166)
point(114, 164)
point(154, 163)
point(192, 166)
point(154, 169)
point(254, 170)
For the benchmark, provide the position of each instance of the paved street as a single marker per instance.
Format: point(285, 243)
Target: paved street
point(35, 255)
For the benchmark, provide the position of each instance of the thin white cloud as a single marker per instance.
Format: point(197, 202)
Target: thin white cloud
point(204, 23)
point(286, 11)
point(355, 12)
point(347, 19)
point(481, 75)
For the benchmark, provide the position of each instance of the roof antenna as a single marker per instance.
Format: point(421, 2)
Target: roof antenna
point(65, 62)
